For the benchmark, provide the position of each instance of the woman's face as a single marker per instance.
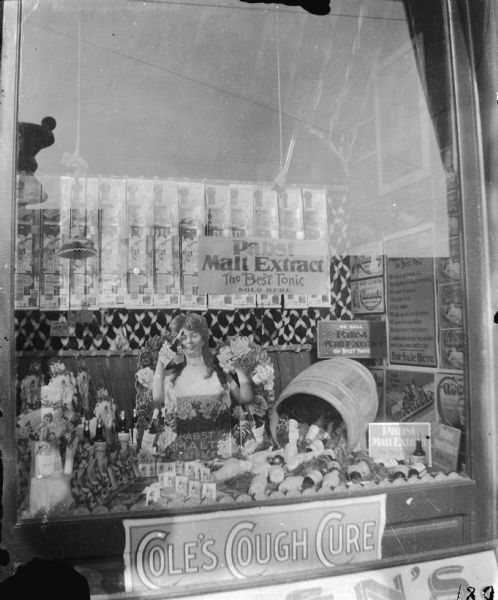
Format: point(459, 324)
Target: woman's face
point(191, 341)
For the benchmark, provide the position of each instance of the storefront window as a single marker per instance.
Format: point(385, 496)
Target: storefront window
point(238, 241)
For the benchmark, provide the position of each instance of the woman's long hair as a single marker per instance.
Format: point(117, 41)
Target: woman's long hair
point(195, 322)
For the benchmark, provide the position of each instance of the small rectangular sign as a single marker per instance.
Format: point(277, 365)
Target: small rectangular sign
point(445, 446)
point(59, 329)
point(368, 296)
point(354, 339)
point(399, 441)
point(263, 266)
point(253, 544)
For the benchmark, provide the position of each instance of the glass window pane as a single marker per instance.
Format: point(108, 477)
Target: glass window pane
point(286, 181)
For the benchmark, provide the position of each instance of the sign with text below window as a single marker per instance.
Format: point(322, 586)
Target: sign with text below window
point(263, 266)
point(353, 339)
point(253, 544)
point(466, 577)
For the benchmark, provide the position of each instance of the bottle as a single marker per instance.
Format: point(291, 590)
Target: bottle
point(45, 460)
point(149, 436)
point(99, 431)
point(316, 430)
point(121, 423)
point(418, 455)
point(86, 431)
point(123, 431)
point(161, 419)
point(99, 440)
point(133, 429)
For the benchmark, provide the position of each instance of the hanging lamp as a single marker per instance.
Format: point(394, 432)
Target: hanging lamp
point(78, 246)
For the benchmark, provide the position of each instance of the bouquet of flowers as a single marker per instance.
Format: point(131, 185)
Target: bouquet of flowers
point(242, 352)
point(105, 409)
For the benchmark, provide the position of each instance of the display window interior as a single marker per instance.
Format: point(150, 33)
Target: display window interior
point(237, 275)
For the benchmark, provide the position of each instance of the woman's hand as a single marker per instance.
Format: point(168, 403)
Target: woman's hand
point(166, 355)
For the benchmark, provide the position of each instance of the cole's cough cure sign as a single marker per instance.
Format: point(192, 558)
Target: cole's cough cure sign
point(251, 544)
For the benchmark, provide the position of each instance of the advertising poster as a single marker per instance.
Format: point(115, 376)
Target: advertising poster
point(112, 198)
point(27, 259)
point(451, 348)
point(182, 551)
point(262, 266)
point(399, 441)
point(367, 296)
point(352, 339)
point(448, 268)
point(54, 273)
point(219, 224)
point(191, 205)
point(366, 261)
point(445, 447)
point(242, 213)
point(450, 396)
point(450, 305)
point(410, 395)
point(411, 299)
point(140, 220)
point(316, 228)
point(166, 245)
point(84, 221)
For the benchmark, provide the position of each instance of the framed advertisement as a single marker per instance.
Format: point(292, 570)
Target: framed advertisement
point(411, 298)
point(401, 121)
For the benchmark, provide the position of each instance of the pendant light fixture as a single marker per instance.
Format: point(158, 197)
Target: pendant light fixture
point(78, 246)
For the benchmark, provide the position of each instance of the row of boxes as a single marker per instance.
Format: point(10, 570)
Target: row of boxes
point(146, 235)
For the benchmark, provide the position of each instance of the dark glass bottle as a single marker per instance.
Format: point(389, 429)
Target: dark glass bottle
point(121, 423)
point(86, 431)
point(418, 455)
point(134, 431)
point(99, 432)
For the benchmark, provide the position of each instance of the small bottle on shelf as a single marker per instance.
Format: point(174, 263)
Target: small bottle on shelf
point(149, 437)
point(86, 431)
point(418, 455)
point(123, 431)
point(99, 441)
point(121, 423)
point(134, 429)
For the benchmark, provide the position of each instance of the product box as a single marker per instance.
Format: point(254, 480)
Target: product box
point(242, 216)
point(112, 202)
point(166, 245)
point(192, 226)
point(315, 228)
point(292, 227)
point(291, 217)
point(266, 225)
point(314, 214)
point(140, 236)
point(27, 259)
point(83, 222)
point(218, 224)
point(266, 221)
point(54, 273)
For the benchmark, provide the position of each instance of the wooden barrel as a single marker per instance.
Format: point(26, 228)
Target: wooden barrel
point(344, 384)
